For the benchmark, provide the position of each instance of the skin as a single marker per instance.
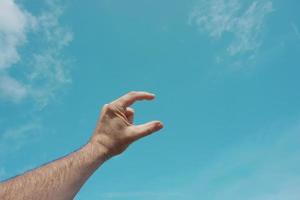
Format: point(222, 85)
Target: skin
point(63, 178)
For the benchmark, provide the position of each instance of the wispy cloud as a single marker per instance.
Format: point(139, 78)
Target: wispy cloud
point(32, 67)
point(49, 69)
point(12, 140)
point(244, 24)
point(296, 30)
point(45, 70)
point(263, 167)
point(11, 88)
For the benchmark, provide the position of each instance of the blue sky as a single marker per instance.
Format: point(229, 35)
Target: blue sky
point(226, 76)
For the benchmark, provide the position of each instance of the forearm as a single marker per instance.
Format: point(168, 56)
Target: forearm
point(59, 180)
point(63, 178)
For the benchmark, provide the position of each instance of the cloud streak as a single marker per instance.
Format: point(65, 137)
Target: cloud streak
point(243, 24)
point(11, 88)
point(45, 70)
point(14, 139)
point(49, 70)
point(263, 167)
point(296, 30)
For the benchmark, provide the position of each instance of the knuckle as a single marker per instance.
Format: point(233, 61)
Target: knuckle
point(132, 93)
point(130, 109)
point(107, 107)
point(104, 107)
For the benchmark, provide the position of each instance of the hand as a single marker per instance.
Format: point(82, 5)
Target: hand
point(115, 130)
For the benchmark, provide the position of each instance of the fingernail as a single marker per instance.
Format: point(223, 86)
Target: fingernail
point(160, 125)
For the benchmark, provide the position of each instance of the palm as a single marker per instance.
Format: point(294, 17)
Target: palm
point(116, 129)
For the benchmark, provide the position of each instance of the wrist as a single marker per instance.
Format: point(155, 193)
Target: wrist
point(96, 153)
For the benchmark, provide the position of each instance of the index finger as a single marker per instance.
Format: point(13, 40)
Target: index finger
point(131, 97)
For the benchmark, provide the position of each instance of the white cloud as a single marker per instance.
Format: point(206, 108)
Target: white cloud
point(11, 88)
point(14, 24)
point(31, 65)
point(245, 25)
point(47, 72)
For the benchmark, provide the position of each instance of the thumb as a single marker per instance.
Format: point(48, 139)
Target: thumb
point(146, 129)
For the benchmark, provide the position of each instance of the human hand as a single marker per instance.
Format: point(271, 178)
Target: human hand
point(115, 130)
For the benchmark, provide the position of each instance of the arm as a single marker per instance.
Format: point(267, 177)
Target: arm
point(63, 178)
